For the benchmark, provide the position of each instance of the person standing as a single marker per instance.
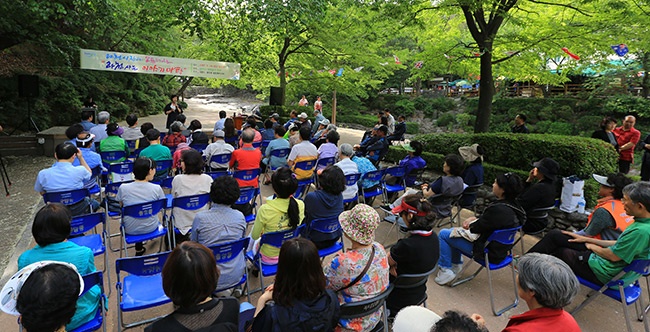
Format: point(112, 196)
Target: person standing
point(303, 101)
point(318, 105)
point(606, 132)
point(391, 121)
point(172, 110)
point(520, 125)
point(627, 137)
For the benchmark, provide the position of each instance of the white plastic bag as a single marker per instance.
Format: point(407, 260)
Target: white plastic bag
point(572, 193)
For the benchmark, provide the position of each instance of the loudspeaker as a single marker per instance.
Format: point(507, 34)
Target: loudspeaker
point(28, 86)
point(276, 96)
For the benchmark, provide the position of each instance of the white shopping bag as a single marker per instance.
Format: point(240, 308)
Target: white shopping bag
point(572, 193)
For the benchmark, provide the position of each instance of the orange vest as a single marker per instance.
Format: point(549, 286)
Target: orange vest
point(615, 208)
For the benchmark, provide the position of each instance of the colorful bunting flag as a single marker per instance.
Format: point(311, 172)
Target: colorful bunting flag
point(358, 69)
point(396, 60)
point(418, 65)
point(340, 72)
point(620, 50)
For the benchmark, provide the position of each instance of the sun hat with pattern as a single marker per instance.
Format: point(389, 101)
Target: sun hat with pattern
point(360, 223)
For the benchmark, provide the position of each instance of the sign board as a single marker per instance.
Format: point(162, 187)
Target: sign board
point(151, 64)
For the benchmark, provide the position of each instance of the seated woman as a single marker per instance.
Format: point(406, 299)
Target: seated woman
point(191, 182)
point(501, 214)
point(221, 224)
point(189, 277)
point(140, 191)
point(329, 149)
point(473, 173)
point(539, 192)
point(230, 132)
point(46, 300)
point(114, 142)
point(176, 157)
point(326, 202)
point(298, 300)
point(546, 284)
point(197, 137)
point(281, 213)
point(417, 253)
point(51, 229)
point(440, 191)
point(360, 272)
point(412, 162)
point(607, 221)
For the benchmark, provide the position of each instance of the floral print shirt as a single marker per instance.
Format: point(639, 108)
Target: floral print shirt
point(345, 267)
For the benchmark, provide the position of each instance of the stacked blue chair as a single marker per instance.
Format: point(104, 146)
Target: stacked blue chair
point(505, 237)
point(226, 252)
point(142, 288)
point(140, 211)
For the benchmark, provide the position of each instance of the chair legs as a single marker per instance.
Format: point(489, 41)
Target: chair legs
point(594, 294)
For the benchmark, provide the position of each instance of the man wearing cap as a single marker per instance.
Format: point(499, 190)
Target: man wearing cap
point(304, 121)
point(322, 127)
point(293, 117)
point(99, 130)
point(275, 119)
point(626, 136)
point(318, 118)
point(93, 159)
point(114, 142)
point(539, 192)
point(598, 261)
point(607, 222)
point(218, 147)
point(347, 273)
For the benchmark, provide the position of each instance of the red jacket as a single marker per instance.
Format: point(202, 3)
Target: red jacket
point(543, 320)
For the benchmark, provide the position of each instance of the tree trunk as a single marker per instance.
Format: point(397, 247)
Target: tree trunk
point(645, 81)
point(486, 91)
point(334, 107)
point(283, 81)
point(185, 85)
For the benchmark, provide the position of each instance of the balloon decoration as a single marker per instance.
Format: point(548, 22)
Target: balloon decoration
point(620, 49)
point(566, 50)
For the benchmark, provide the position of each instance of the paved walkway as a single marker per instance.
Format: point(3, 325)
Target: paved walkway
point(472, 297)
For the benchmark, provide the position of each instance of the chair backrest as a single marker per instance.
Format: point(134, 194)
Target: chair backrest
point(352, 179)
point(142, 265)
point(276, 239)
point(112, 156)
point(199, 147)
point(226, 252)
point(365, 307)
point(324, 162)
point(222, 158)
point(280, 153)
point(373, 175)
point(91, 280)
point(504, 236)
point(84, 223)
point(131, 144)
point(405, 281)
point(257, 145)
point(121, 168)
point(247, 174)
point(164, 164)
point(232, 140)
point(539, 213)
point(306, 165)
point(325, 225)
point(246, 195)
point(111, 188)
point(191, 202)
point(264, 144)
point(68, 197)
point(396, 171)
point(144, 210)
point(166, 183)
point(217, 174)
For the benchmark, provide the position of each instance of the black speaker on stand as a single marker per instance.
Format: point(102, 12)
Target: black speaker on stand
point(28, 87)
point(277, 96)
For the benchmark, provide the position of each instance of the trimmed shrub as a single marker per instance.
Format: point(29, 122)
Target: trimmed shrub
point(445, 120)
point(404, 107)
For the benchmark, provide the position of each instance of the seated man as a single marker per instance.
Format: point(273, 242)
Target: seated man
point(400, 130)
point(87, 117)
point(99, 130)
point(247, 157)
point(276, 144)
point(93, 159)
point(63, 176)
point(375, 147)
point(302, 151)
point(218, 147)
point(541, 194)
point(598, 261)
point(176, 136)
point(156, 151)
point(132, 132)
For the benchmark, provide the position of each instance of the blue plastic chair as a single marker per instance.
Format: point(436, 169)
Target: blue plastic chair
point(166, 183)
point(305, 165)
point(351, 180)
point(96, 173)
point(68, 198)
point(275, 239)
point(111, 190)
point(370, 193)
point(142, 288)
point(246, 315)
point(367, 307)
point(257, 145)
point(324, 162)
point(164, 165)
point(111, 157)
point(232, 140)
point(131, 144)
point(199, 147)
point(95, 242)
point(265, 144)
point(91, 280)
point(223, 158)
point(123, 169)
point(399, 172)
point(247, 174)
point(505, 237)
point(620, 291)
point(140, 211)
point(189, 203)
point(226, 252)
point(217, 174)
point(327, 226)
point(249, 195)
point(277, 153)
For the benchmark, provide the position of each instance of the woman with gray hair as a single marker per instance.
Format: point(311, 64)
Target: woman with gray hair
point(546, 284)
point(348, 167)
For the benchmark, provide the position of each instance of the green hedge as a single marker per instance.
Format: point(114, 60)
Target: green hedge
point(514, 153)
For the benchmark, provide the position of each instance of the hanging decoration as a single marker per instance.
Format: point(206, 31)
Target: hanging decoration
point(621, 49)
point(573, 56)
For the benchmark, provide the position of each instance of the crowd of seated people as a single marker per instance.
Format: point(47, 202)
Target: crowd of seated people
point(307, 293)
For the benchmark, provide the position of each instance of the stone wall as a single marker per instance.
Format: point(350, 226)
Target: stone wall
point(556, 218)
